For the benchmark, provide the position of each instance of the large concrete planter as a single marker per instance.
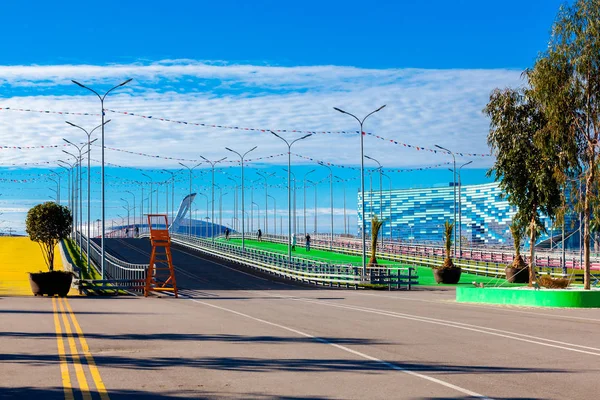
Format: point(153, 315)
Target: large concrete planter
point(517, 275)
point(447, 275)
point(50, 283)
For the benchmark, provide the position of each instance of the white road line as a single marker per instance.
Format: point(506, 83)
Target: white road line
point(484, 306)
point(459, 325)
point(348, 350)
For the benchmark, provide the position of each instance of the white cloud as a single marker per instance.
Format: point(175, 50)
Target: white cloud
point(424, 107)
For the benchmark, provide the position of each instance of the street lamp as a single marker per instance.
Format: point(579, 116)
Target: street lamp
point(362, 181)
point(330, 199)
point(304, 197)
point(454, 185)
point(274, 215)
point(266, 197)
point(58, 176)
point(131, 193)
point(344, 194)
point(89, 143)
point(390, 205)
point(190, 169)
point(102, 173)
point(57, 190)
point(380, 169)
point(69, 181)
point(257, 214)
point(242, 178)
point(289, 145)
point(128, 225)
point(460, 209)
point(235, 203)
point(172, 191)
point(212, 193)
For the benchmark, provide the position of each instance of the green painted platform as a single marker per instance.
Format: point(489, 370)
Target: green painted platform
point(527, 297)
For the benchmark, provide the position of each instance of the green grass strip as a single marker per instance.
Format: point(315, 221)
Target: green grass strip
point(425, 273)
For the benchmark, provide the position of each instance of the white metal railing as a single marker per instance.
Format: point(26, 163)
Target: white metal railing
point(299, 269)
point(117, 273)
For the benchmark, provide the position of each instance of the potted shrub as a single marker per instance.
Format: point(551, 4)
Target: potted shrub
point(47, 224)
point(516, 272)
point(447, 272)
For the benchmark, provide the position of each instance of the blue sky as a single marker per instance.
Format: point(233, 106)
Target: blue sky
point(262, 65)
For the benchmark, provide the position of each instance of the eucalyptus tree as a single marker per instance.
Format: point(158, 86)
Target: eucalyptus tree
point(566, 82)
point(524, 165)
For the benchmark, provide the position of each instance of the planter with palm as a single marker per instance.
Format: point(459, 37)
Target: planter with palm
point(376, 225)
point(447, 272)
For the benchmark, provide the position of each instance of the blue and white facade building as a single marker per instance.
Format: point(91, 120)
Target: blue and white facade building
point(419, 214)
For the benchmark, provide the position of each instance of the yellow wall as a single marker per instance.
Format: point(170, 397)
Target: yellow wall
point(18, 256)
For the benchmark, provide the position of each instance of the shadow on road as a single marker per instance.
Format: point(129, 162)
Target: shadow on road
point(56, 393)
point(265, 365)
point(194, 337)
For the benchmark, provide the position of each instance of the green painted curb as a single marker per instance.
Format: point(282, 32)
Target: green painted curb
point(524, 297)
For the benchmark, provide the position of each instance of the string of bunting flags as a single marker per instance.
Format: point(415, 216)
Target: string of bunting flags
point(384, 169)
point(240, 128)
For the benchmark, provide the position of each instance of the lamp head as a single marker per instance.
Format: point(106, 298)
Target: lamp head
point(340, 110)
point(126, 82)
point(381, 108)
point(77, 83)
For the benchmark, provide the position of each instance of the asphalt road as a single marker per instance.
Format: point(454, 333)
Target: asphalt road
point(237, 336)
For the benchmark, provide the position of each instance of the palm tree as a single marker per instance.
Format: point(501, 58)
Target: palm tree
point(448, 230)
point(376, 225)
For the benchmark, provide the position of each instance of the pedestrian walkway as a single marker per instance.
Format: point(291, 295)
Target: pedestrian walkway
point(19, 256)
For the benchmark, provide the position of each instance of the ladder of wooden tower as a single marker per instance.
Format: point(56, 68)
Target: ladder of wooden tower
point(161, 261)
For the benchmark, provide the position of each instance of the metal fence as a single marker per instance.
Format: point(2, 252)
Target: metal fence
point(298, 268)
point(118, 274)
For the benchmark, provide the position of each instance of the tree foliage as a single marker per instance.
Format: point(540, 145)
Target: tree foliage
point(566, 82)
point(46, 224)
point(525, 161)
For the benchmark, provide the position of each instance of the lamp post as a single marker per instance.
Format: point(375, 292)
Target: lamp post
point(293, 213)
point(362, 181)
point(390, 205)
point(89, 152)
point(242, 179)
point(257, 214)
point(315, 216)
point(172, 191)
point(304, 197)
point(266, 197)
point(235, 203)
point(289, 145)
point(340, 180)
point(122, 199)
point(207, 200)
point(212, 193)
point(190, 169)
point(460, 209)
point(149, 195)
point(454, 185)
point(57, 190)
point(122, 221)
point(57, 176)
point(380, 169)
point(78, 212)
point(102, 97)
point(330, 199)
point(274, 214)
point(68, 181)
point(131, 193)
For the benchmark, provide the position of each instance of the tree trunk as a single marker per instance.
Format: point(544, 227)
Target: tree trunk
point(532, 251)
point(586, 227)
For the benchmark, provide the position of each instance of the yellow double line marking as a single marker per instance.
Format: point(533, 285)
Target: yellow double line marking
point(74, 356)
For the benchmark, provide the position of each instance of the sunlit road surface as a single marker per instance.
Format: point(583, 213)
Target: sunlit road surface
point(236, 336)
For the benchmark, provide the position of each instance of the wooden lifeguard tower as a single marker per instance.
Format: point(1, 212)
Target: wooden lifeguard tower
point(160, 278)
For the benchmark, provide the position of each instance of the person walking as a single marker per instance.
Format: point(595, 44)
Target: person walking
point(307, 242)
point(226, 233)
point(259, 235)
point(293, 242)
point(137, 231)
